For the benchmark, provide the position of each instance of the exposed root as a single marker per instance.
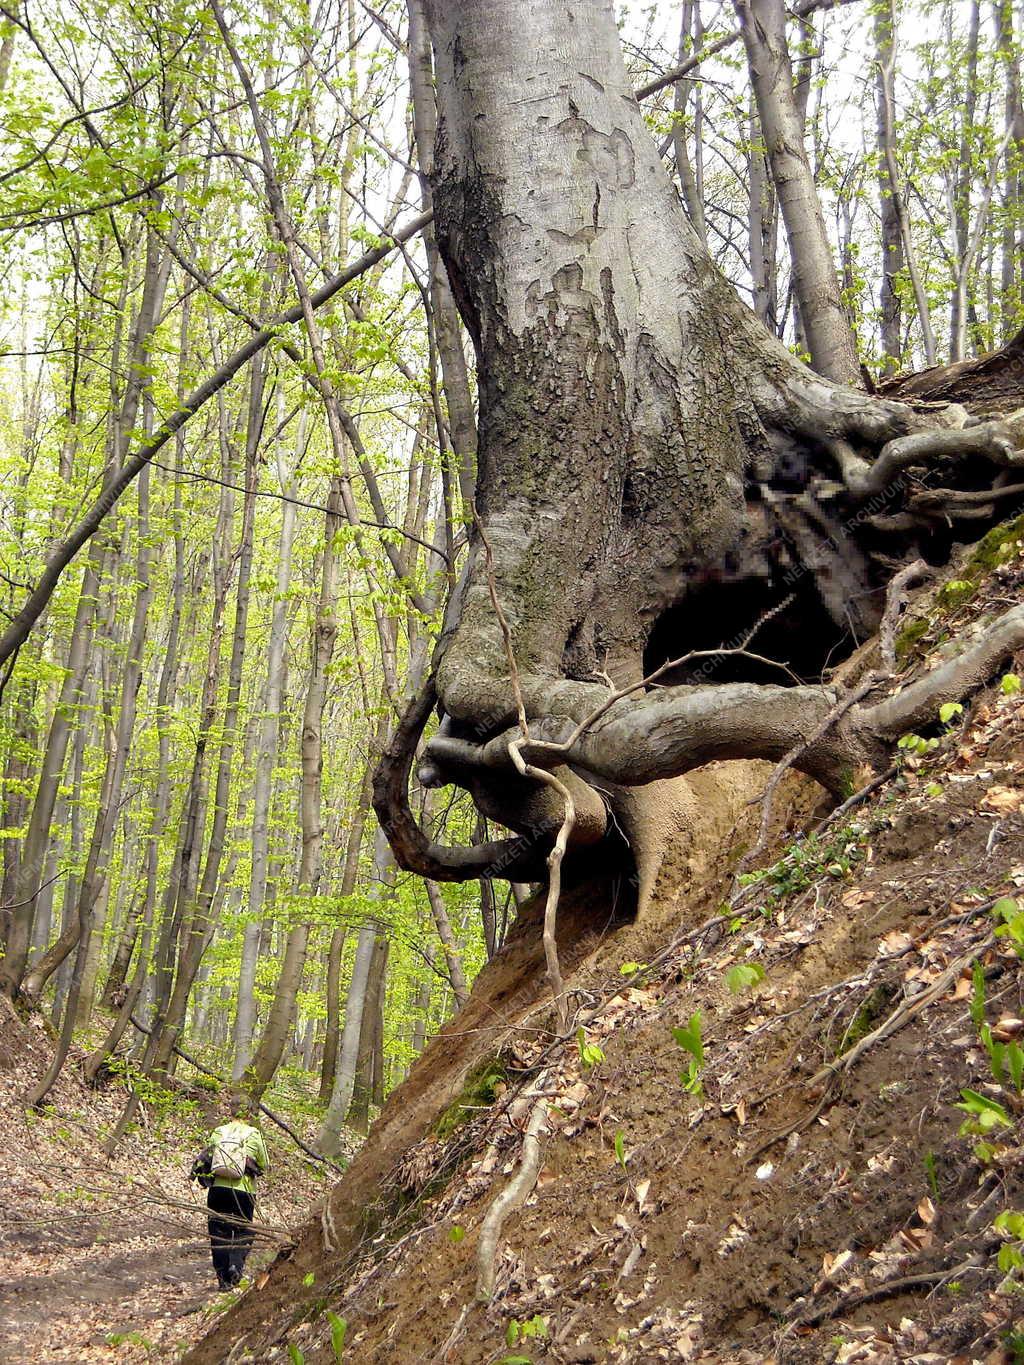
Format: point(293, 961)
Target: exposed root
point(511, 1197)
point(989, 440)
point(931, 1279)
point(896, 600)
point(906, 1011)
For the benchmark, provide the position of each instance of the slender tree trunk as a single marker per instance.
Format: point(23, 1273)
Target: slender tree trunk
point(201, 924)
point(893, 254)
point(960, 202)
point(325, 630)
point(368, 1065)
point(816, 284)
point(350, 873)
point(381, 887)
point(690, 38)
point(1012, 244)
point(266, 757)
point(421, 1004)
point(762, 228)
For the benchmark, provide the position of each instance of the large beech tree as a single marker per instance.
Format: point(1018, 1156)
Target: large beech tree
point(655, 469)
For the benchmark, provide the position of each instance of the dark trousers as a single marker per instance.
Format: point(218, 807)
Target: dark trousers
point(231, 1233)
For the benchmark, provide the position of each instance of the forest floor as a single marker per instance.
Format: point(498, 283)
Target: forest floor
point(813, 1196)
point(101, 1258)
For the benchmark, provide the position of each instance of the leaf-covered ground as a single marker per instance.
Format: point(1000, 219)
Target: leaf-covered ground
point(807, 1190)
point(105, 1259)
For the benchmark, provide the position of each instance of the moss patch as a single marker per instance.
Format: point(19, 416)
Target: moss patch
point(874, 1006)
point(479, 1092)
point(994, 548)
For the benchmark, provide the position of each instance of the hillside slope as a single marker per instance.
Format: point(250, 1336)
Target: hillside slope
point(811, 1196)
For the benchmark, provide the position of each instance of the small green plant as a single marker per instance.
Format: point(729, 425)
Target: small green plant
point(533, 1329)
point(977, 994)
point(985, 1118)
point(620, 1149)
point(128, 1339)
point(689, 1038)
point(339, 1326)
point(956, 592)
point(456, 1234)
point(1010, 923)
point(631, 968)
point(590, 1054)
point(1009, 684)
point(1011, 1253)
point(743, 976)
point(309, 1279)
point(295, 1355)
point(804, 862)
point(915, 744)
point(949, 710)
point(1005, 1059)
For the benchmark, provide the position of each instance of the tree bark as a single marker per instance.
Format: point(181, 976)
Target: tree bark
point(815, 281)
point(643, 442)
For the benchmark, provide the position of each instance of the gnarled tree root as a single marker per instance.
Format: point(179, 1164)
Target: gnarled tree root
point(511, 1197)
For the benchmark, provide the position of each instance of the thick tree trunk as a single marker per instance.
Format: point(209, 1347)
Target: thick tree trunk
point(644, 443)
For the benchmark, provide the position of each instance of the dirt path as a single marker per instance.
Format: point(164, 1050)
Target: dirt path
point(83, 1293)
point(106, 1258)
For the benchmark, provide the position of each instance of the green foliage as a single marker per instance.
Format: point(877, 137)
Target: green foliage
point(916, 745)
point(977, 1005)
point(620, 1148)
point(295, 1355)
point(591, 1054)
point(689, 1037)
point(339, 1327)
point(1009, 684)
point(985, 1118)
point(1010, 923)
point(955, 592)
point(806, 861)
point(532, 1329)
point(744, 975)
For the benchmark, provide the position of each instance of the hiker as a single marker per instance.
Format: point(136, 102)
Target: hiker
point(227, 1169)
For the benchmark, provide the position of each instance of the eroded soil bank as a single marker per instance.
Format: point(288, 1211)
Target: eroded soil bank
point(813, 1198)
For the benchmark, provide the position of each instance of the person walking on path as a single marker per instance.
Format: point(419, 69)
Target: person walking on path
point(228, 1169)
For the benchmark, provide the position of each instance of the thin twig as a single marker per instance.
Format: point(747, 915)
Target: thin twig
point(561, 843)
